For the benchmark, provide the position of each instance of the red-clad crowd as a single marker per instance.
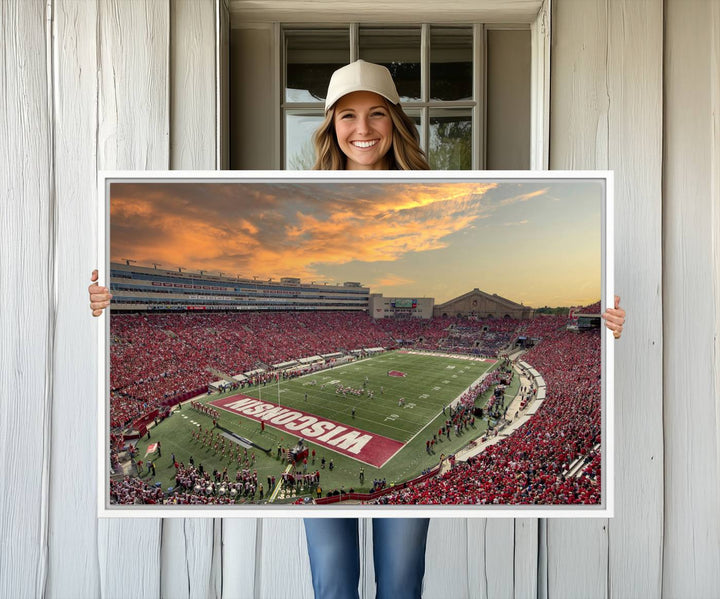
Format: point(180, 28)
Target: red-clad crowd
point(157, 358)
point(530, 466)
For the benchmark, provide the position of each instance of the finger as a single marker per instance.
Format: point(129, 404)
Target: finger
point(617, 318)
point(94, 275)
point(99, 305)
point(617, 302)
point(95, 289)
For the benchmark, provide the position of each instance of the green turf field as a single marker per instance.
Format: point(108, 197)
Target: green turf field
point(431, 383)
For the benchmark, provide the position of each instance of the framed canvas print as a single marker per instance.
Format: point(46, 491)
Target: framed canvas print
point(355, 344)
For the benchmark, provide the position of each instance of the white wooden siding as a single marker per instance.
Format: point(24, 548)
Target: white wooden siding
point(133, 133)
point(115, 84)
point(27, 318)
point(691, 308)
point(73, 567)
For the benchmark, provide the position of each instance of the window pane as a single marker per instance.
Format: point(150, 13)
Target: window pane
point(451, 56)
point(414, 114)
point(450, 139)
point(299, 150)
point(311, 58)
point(398, 50)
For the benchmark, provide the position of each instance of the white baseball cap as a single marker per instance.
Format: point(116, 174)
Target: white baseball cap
point(361, 76)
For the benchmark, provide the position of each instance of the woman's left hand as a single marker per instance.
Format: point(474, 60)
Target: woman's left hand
point(615, 318)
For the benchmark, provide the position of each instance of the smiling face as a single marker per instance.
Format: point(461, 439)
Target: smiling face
point(364, 130)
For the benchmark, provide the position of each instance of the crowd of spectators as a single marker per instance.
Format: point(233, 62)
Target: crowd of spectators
point(156, 358)
point(530, 466)
point(159, 356)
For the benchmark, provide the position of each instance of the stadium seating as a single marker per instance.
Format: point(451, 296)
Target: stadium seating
point(158, 358)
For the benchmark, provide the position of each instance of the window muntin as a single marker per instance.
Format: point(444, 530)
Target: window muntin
point(439, 70)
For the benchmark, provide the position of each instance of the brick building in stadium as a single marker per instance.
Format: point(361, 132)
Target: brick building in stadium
point(483, 305)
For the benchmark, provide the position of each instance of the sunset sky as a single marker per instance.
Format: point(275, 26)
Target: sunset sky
point(531, 241)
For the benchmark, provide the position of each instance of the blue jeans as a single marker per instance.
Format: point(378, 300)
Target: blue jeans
point(398, 552)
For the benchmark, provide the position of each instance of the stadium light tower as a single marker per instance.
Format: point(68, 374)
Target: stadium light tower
point(128, 261)
point(156, 265)
point(180, 268)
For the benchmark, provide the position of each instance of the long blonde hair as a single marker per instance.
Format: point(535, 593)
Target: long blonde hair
point(405, 154)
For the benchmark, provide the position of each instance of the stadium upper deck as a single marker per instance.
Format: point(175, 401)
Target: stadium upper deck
point(139, 288)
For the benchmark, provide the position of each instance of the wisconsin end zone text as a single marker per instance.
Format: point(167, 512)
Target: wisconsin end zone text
point(369, 448)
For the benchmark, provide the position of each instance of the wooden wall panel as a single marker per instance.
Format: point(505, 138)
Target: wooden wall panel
point(239, 558)
point(73, 565)
point(607, 113)
point(190, 565)
point(635, 48)
point(490, 567)
point(27, 314)
point(446, 558)
point(525, 558)
point(133, 130)
point(282, 565)
point(576, 557)
point(193, 85)
point(691, 307)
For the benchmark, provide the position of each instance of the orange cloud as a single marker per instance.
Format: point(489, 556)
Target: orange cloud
point(253, 230)
point(392, 280)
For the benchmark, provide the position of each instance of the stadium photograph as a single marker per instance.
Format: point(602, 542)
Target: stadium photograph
point(376, 342)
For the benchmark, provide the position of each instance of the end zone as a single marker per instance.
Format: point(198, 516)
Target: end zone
point(369, 448)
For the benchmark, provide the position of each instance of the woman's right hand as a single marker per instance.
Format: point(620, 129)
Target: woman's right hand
point(99, 296)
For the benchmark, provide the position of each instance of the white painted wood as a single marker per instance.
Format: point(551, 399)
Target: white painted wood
point(72, 543)
point(133, 131)
point(193, 85)
point(189, 565)
point(692, 397)
point(525, 559)
point(282, 567)
point(27, 319)
point(446, 559)
point(499, 557)
point(577, 563)
point(187, 556)
point(133, 127)
point(239, 552)
point(540, 89)
point(635, 48)
point(542, 571)
point(577, 552)
point(398, 11)
point(222, 62)
point(490, 563)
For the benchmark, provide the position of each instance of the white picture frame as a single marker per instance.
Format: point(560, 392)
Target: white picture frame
point(360, 180)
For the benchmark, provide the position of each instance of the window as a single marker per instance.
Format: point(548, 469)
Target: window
point(434, 68)
point(467, 87)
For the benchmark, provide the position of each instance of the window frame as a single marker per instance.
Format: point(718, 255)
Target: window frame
point(476, 106)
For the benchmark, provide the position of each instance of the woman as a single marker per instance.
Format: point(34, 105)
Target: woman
point(365, 129)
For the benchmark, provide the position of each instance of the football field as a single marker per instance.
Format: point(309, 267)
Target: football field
point(375, 414)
